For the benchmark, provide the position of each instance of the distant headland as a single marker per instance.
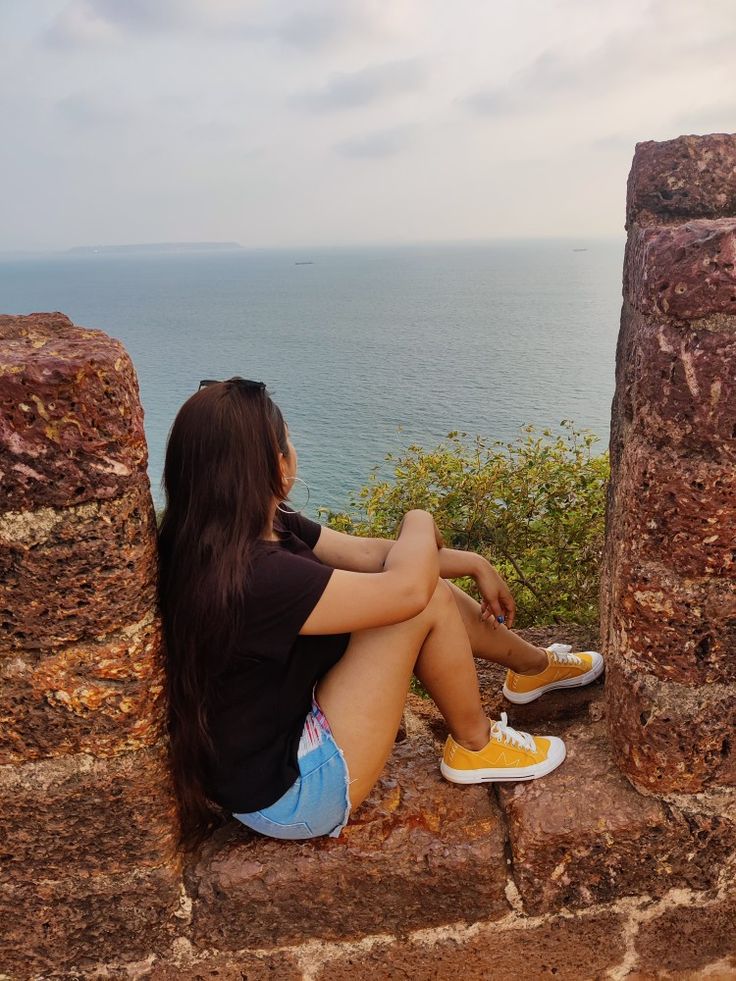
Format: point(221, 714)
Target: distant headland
point(154, 247)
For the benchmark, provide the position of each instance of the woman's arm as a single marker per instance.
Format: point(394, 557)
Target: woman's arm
point(359, 600)
point(351, 552)
point(356, 554)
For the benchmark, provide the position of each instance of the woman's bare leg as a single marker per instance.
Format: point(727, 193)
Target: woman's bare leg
point(363, 695)
point(497, 644)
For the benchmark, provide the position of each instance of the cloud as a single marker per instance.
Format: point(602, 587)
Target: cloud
point(311, 26)
point(382, 143)
point(87, 112)
point(376, 83)
point(712, 118)
point(670, 39)
point(80, 24)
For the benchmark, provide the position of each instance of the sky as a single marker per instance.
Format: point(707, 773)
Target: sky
point(280, 123)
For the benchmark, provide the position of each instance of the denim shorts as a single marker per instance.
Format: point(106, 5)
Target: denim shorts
point(319, 802)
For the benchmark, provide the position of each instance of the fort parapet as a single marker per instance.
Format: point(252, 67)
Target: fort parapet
point(619, 864)
point(669, 596)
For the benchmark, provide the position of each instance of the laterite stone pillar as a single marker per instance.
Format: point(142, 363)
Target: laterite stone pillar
point(668, 596)
point(87, 824)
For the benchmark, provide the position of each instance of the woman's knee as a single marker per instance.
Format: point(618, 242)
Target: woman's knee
point(442, 596)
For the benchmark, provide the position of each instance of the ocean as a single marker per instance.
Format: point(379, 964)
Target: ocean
point(366, 350)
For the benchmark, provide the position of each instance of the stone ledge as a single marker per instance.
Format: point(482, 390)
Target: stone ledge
point(583, 835)
point(419, 852)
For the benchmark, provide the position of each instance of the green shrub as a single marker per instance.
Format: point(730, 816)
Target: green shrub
point(534, 507)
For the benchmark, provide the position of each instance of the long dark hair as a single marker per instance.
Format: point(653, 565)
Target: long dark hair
point(221, 475)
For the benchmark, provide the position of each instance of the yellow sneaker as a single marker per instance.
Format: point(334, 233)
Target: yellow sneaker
point(565, 670)
point(509, 755)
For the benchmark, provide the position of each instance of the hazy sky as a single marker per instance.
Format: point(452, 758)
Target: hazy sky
point(296, 122)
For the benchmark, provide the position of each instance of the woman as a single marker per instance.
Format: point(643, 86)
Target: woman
point(290, 646)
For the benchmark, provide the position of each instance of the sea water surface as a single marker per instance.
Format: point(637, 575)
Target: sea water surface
point(365, 349)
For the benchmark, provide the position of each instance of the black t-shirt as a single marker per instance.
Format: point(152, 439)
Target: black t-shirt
point(263, 696)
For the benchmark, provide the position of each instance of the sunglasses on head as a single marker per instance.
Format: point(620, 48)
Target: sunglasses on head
point(245, 383)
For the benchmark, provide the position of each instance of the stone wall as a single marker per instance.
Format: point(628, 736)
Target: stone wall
point(669, 584)
point(88, 863)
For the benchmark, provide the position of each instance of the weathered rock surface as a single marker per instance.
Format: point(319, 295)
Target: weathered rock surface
point(673, 942)
point(566, 949)
point(419, 852)
point(689, 177)
point(668, 591)
point(250, 965)
point(63, 572)
point(675, 392)
point(669, 737)
point(687, 509)
point(102, 697)
point(583, 835)
point(82, 816)
point(89, 870)
point(682, 271)
point(653, 636)
point(67, 927)
point(71, 423)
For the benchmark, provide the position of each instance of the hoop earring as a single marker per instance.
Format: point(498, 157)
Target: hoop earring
point(298, 510)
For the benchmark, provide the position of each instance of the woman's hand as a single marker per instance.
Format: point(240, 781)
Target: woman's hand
point(496, 598)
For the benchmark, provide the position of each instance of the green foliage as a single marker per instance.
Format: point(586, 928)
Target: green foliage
point(534, 507)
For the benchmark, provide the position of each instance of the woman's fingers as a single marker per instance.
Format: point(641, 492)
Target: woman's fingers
point(491, 610)
point(509, 607)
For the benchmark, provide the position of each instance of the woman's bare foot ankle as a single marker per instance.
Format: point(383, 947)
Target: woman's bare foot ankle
point(535, 665)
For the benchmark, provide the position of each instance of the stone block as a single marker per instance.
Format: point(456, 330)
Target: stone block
point(419, 852)
point(101, 698)
point(568, 949)
point(79, 817)
point(684, 272)
point(583, 835)
point(669, 738)
point(681, 390)
point(688, 938)
point(65, 573)
point(673, 628)
point(688, 177)
point(68, 928)
point(71, 423)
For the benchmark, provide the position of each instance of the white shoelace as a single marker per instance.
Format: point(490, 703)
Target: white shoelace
point(561, 654)
point(502, 730)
